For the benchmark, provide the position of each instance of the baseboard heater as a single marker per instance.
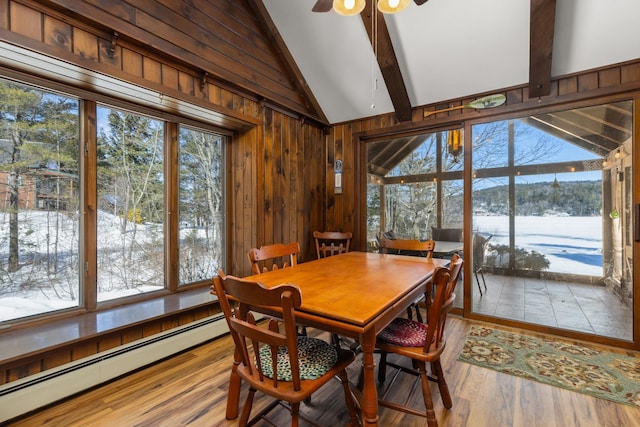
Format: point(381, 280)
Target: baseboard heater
point(25, 395)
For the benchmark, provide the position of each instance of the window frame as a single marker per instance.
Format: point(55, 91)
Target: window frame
point(87, 116)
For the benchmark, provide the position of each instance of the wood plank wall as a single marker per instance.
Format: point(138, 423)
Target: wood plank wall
point(282, 160)
point(349, 139)
point(219, 37)
point(281, 180)
point(277, 157)
point(275, 197)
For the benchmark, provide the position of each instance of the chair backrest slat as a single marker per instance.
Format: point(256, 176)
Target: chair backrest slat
point(287, 254)
point(329, 243)
point(408, 247)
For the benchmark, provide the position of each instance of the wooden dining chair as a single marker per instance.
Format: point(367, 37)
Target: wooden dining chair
point(413, 247)
point(329, 243)
point(273, 359)
point(272, 257)
point(275, 256)
point(422, 344)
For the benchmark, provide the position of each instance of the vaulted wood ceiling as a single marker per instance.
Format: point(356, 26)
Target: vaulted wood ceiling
point(599, 129)
point(441, 50)
point(541, 46)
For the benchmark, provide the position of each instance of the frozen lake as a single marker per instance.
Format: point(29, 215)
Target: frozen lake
point(571, 244)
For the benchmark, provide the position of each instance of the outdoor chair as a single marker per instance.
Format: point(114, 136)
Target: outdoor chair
point(446, 234)
point(479, 247)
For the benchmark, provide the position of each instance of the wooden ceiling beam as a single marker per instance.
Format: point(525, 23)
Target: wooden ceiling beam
point(267, 24)
point(542, 22)
point(387, 60)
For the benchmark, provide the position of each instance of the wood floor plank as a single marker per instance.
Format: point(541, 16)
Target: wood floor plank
point(190, 389)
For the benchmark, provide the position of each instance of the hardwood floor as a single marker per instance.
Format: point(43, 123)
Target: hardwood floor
point(190, 390)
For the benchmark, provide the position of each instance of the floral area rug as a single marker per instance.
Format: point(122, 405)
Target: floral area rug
point(598, 373)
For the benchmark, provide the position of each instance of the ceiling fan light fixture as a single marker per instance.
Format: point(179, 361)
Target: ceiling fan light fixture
point(349, 7)
point(392, 6)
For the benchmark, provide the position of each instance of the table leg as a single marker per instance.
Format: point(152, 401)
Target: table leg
point(369, 392)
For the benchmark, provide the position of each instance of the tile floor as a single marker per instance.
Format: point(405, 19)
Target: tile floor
point(580, 307)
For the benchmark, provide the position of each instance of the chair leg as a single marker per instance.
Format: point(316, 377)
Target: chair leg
point(233, 395)
point(348, 397)
point(478, 281)
point(410, 309)
point(335, 340)
point(416, 305)
point(246, 409)
point(436, 369)
point(295, 414)
point(426, 393)
point(382, 367)
point(483, 281)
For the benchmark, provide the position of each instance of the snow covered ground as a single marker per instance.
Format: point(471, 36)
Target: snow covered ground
point(571, 244)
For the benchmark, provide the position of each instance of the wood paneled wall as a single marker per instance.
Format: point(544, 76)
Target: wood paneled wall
point(277, 157)
point(218, 37)
point(277, 186)
point(348, 139)
point(211, 53)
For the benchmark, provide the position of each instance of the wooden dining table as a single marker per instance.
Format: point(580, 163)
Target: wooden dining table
point(356, 295)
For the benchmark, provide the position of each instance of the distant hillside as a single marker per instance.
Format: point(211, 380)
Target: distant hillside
point(573, 198)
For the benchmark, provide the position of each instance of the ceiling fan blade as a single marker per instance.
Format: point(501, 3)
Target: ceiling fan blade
point(420, 2)
point(322, 6)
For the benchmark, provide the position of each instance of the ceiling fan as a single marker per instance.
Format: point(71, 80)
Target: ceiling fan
point(326, 5)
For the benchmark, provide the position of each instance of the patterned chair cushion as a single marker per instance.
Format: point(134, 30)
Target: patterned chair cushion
point(315, 357)
point(404, 333)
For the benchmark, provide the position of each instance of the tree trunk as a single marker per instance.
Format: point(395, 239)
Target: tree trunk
point(13, 222)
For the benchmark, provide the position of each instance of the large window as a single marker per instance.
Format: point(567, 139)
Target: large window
point(414, 184)
point(46, 248)
point(130, 196)
point(39, 201)
point(547, 194)
point(551, 225)
point(201, 205)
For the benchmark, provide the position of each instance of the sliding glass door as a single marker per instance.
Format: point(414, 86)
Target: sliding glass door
point(551, 224)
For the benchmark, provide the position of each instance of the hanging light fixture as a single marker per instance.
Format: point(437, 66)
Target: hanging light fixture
point(354, 7)
point(454, 144)
point(349, 7)
point(392, 6)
